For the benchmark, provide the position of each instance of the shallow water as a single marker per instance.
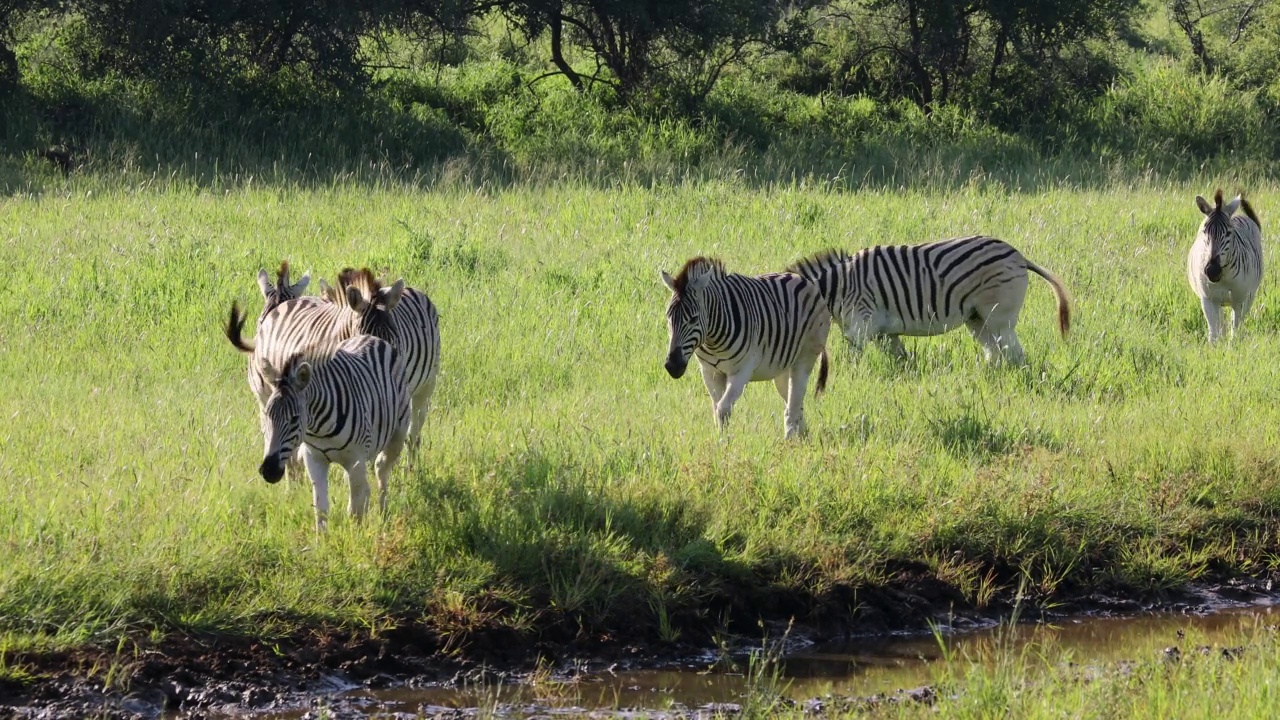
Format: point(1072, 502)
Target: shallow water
point(853, 667)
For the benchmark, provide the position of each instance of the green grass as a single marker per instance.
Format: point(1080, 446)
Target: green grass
point(566, 481)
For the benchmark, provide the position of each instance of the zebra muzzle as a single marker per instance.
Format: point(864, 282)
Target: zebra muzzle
point(676, 368)
point(1213, 270)
point(271, 469)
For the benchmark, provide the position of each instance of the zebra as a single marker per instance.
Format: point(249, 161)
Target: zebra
point(349, 408)
point(315, 328)
point(744, 328)
point(1224, 264)
point(884, 292)
point(273, 295)
point(418, 340)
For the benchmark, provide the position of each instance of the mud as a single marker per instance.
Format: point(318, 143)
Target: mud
point(354, 676)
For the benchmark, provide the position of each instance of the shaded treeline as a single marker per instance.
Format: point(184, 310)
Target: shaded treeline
point(824, 84)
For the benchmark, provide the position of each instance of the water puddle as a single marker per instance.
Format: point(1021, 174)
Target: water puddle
point(849, 668)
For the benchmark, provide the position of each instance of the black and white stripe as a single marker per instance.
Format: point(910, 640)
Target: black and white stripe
point(884, 292)
point(744, 328)
point(350, 408)
point(1224, 264)
point(417, 326)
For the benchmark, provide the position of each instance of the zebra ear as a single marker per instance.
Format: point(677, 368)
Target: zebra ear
point(1231, 207)
point(301, 286)
point(1203, 204)
point(668, 281)
point(354, 301)
point(391, 296)
point(264, 283)
point(697, 282)
point(301, 377)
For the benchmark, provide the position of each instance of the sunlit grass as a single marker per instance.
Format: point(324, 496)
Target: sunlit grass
point(565, 478)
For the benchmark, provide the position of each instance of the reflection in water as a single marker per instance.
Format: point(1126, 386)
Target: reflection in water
point(854, 667)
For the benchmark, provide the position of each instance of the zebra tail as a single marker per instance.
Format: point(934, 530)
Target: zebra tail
point(235, 324)
point(822, 372)
point(1064, 298)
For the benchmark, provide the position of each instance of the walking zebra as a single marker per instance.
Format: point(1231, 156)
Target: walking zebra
point(273, 295)
point(418, 340)
point(1225, 262)
point(744, 328)
point(349, 408)
point(884, 292)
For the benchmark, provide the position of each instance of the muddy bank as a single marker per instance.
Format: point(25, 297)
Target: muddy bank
point(214, 676)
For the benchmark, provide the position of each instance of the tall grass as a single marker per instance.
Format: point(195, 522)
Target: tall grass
point(566, 482)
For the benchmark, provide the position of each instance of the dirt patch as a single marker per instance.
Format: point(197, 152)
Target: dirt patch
point(233, 675)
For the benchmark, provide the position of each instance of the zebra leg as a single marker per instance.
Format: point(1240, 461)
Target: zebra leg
point(358, 476)
point(1213, 316)
point(733, 390)
point(715, 381)
point(421, 402)
point(892, 344)
point(385, 463)
point(857, 331)
point(1237, 314)
point(793, 426)
point(318, 469)
point(782, 383)
point(998, 343)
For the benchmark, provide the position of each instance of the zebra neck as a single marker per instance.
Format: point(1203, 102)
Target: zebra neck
point(721, 319)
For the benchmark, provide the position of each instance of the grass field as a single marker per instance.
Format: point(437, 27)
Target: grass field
point(566, 481)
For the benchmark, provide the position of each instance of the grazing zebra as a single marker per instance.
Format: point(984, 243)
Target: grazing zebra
point(350, 408)
point(744, 328)
point(273, 295)
point(418, 340)
point(884, 292)
point(1225, 262)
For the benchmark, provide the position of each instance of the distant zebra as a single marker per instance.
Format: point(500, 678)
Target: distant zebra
point(418, 340)
point(1225, 262)
point(273, 295)
point(744, 328)
point(350, 408)
point(884, 292)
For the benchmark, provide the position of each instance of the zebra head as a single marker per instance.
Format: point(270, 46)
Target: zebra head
point(685, 310)
point(370, 303)
point(284, 416)
point(273, 295)
point(1216, 231)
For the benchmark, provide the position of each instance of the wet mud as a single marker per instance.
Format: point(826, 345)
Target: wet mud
point(409, 672)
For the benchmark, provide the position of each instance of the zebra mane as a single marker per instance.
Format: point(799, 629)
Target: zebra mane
point(1248, 211)
point(818, 263)
point(282, 275)
point(362, 280)
point(698, 267)
point(1217, 222)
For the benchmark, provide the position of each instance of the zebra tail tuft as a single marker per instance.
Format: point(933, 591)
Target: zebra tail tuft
point(235, 324)
point(1064, 298)
point(822, 372)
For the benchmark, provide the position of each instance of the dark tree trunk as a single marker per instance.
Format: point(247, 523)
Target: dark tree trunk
point(557, 51)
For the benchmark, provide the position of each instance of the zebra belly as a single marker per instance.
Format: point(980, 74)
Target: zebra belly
point(918, 328)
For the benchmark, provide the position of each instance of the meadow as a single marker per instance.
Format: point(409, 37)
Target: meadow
point(566, 485)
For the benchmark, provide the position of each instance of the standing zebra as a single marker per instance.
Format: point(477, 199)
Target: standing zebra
point(884, 292)
point(744, 328)
point(1225, 262)
point(350, 408)
point(273, 295)
point(418, 340)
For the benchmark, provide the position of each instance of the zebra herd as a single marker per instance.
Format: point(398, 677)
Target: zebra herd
point(774, 326)
point(347, 376)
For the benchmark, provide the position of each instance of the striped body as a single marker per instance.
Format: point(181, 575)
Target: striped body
point(744, 328)
point(417, 326)
point(1224, 265)
point(350, 408)
point(884, 292)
